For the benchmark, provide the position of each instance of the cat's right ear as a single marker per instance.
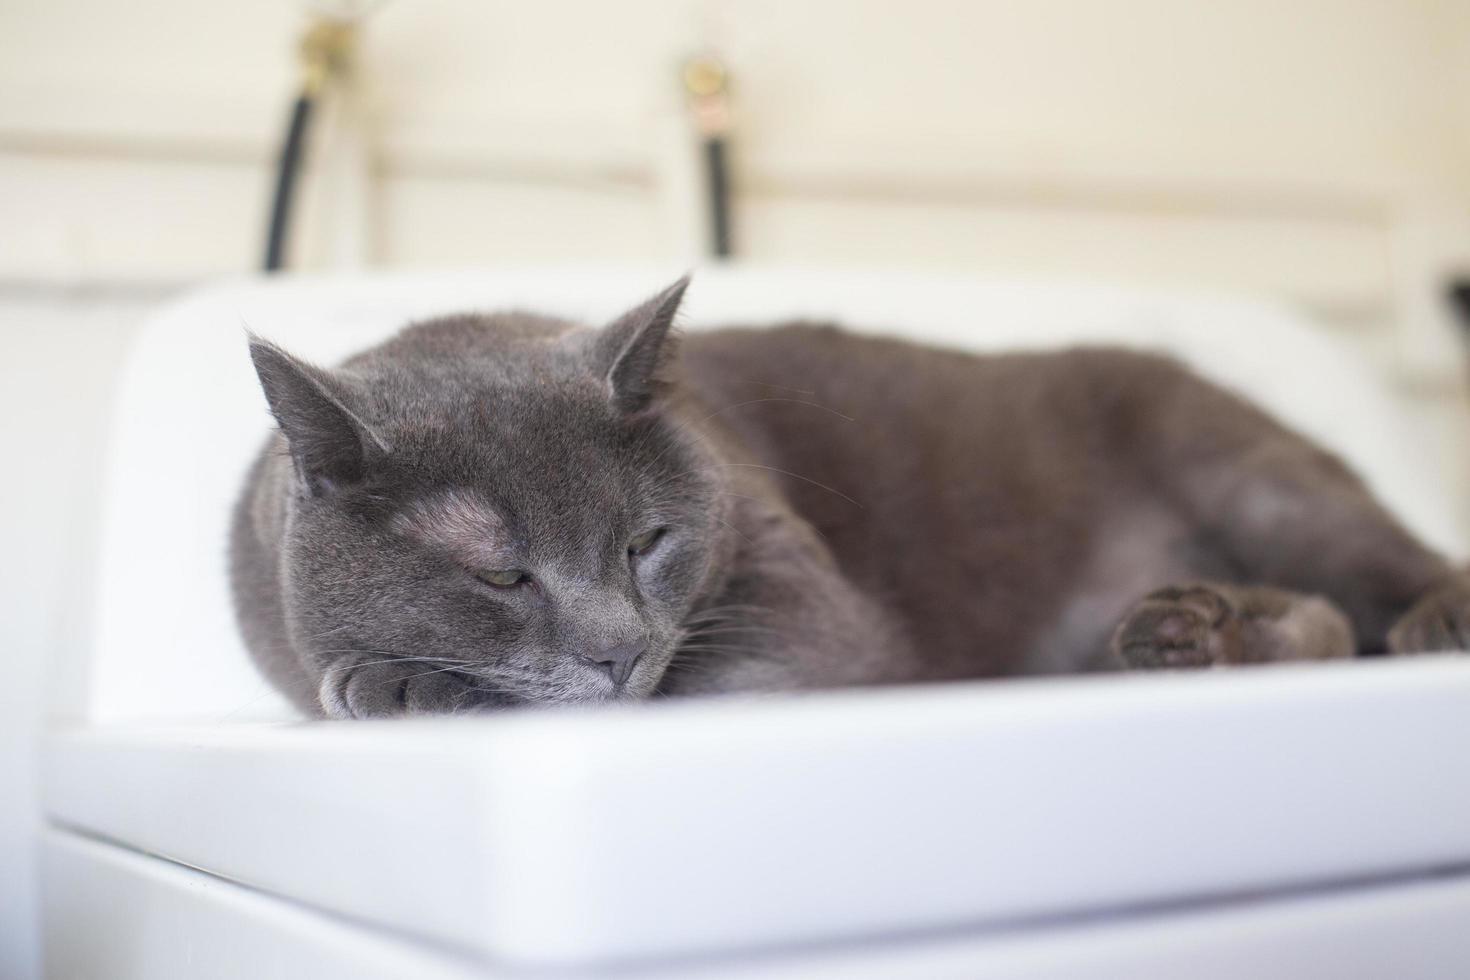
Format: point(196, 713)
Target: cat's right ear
point(330, 446)
point(632, 352)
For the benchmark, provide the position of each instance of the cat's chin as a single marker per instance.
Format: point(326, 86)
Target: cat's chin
point(490, 703)
point(611, 695)
point(637, 688)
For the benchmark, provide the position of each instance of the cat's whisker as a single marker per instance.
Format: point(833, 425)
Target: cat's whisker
point(732, 493)
point(674, 444)
point(727, 649)
point(704, 436)
point(745, 621)
point(750, 401)
point(728, 625)
point(686, 668)
point(241, 707)
point(735, 530)
point(767, 384)
point(714, 648)
point(729, 613)
point(710, 629)
point(426, 673)
point(725, 630)
point(798, 476)
point(733, 607)
point(406, 660)
point(361, 650)
point(657, 490)
point(735, 615)
point(789, 401)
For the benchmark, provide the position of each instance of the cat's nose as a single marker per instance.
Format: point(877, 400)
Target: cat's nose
point(619, 660)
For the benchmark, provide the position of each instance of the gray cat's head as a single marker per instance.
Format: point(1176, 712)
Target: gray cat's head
point(504, 498)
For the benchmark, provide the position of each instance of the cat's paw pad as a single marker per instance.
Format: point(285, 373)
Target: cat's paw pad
point(1439, 621)
point(1191, 626)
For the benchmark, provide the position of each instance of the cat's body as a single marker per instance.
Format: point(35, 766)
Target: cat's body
point(819, 508)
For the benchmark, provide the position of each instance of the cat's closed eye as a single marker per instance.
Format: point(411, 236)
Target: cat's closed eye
point(645, 542)
point(504, 578)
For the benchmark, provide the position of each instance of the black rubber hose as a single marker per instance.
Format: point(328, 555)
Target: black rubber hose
point(1459, 297)
point(287, 171)
point(718, 176)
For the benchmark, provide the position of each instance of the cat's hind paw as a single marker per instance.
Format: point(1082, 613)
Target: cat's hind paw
point(1177, 627)
point(1437, 622)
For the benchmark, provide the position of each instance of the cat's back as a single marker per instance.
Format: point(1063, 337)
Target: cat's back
point(797, 384)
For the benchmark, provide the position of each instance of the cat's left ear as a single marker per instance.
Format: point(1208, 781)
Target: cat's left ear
point(632, 351)
point(330, 445)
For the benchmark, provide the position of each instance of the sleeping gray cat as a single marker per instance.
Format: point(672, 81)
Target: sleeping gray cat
point(494, 510)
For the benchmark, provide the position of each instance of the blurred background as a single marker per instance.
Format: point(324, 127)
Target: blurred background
point(1312, 152)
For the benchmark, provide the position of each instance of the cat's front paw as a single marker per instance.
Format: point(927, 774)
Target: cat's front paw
point(391, 689)
point(1439, 621)
point(1188, 626)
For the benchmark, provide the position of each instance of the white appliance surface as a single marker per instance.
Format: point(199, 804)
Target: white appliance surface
point(840, 828)
point(146, 919)
point(639, 833)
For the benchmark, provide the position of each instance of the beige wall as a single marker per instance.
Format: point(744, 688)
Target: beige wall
point(1315, 150)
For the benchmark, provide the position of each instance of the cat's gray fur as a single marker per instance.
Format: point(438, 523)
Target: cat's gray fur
point(838, 510)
